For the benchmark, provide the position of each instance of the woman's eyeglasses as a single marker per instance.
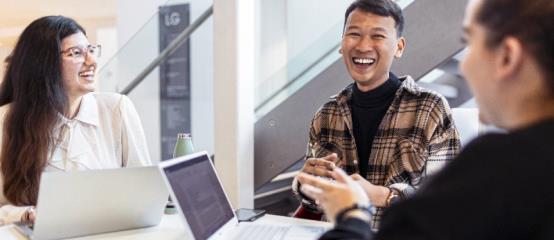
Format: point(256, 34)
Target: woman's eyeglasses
point(80, 53)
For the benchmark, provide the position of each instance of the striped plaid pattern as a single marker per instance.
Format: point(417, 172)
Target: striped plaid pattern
point(416, 138)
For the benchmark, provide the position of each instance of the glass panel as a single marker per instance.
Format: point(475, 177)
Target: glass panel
point(298, 71)
point(139, 52)
point(134, 56)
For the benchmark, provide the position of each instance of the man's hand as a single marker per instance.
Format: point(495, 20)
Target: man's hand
point(320, 166)
point(333, 196)
point(377, 194)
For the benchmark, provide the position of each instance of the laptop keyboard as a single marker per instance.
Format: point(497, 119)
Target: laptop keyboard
point(259, 231)
point(25, 229)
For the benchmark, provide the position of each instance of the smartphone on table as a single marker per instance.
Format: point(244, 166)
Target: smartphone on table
point(249, 215)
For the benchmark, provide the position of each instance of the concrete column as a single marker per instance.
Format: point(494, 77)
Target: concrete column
point(234, 72)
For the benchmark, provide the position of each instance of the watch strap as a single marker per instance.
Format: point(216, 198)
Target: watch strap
point(340, 216)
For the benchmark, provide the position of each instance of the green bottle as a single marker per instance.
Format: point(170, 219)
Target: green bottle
point(183, 146)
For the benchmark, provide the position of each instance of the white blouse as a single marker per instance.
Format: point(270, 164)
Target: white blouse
point(105, 133)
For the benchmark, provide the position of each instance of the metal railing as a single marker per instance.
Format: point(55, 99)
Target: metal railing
point(179, 40)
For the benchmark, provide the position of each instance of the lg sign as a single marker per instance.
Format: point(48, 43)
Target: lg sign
point(172, 19)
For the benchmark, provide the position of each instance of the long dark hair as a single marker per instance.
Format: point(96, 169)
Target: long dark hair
point(34, 88)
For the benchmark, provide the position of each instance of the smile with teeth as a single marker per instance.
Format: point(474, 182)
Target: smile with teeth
point(89, 73)
point(367, 61)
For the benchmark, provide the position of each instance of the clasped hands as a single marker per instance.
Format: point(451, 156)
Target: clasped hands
point(29, 216)
point(343, 192)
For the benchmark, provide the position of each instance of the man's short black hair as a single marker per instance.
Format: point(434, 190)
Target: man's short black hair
point(385, 8)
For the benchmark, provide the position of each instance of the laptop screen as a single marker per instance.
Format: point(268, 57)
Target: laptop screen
point(199, 195)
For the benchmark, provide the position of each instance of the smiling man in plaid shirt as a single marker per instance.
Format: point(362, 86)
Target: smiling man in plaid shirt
point(385, 131)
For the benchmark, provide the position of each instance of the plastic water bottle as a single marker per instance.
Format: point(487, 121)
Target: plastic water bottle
point(183, 146)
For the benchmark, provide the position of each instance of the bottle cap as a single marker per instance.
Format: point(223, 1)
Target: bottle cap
point(183, 135)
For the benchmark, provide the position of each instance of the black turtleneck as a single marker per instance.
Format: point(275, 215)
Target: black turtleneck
point(368, 109)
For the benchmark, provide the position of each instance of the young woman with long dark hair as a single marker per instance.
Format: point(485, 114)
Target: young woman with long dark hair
point(53, 121)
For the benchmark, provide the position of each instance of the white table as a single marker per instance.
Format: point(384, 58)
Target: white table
point(171, 227)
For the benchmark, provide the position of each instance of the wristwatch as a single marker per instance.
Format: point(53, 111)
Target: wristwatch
point(393, 197)
point(369, 210)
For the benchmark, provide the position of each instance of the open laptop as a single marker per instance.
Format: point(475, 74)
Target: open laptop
point(206, 210)
point(81, 203)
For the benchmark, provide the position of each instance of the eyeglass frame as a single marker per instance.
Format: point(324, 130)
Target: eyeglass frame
point(85, 52)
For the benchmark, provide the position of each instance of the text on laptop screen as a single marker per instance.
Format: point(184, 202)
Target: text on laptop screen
point(199, 195)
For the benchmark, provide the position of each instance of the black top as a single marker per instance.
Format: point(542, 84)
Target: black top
point(499, 187)
point(368, 109)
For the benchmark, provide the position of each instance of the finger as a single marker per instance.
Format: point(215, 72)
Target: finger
point(322, 172)
point(356, 176)
point(333, 157)
point(315, 161)
point(304, 178)
point(308, 169)
point(311, 191)
point(339, 175)
point(317, 171)
point(321, 162)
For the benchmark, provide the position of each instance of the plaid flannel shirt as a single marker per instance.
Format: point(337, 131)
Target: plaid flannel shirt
point(416, 138)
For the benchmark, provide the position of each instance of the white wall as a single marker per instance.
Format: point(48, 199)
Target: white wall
point(235, 68)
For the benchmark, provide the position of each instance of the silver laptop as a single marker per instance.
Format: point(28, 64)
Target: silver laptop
point(206, 210)
point(81, 203)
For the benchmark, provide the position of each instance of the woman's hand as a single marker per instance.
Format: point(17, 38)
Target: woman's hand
point(333, 197)
point(377, 194)
point(29, 216)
